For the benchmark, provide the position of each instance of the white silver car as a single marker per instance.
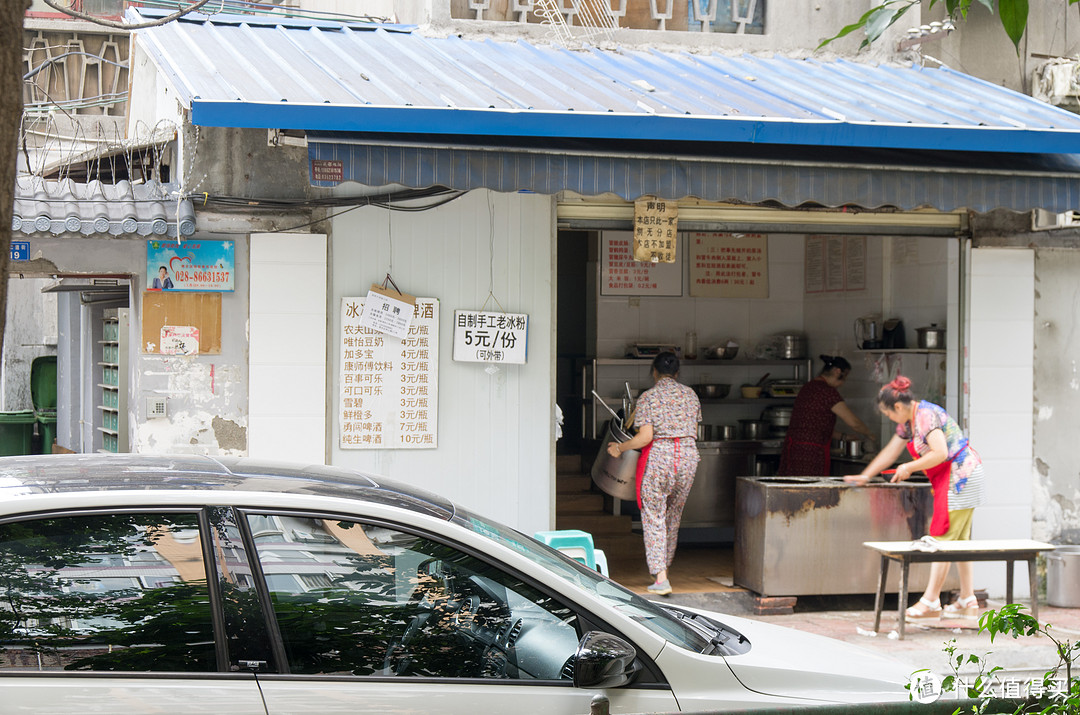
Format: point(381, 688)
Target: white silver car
point(155, 584)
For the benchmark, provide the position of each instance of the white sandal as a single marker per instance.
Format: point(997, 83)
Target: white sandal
point(963, 608)
point(931, 610)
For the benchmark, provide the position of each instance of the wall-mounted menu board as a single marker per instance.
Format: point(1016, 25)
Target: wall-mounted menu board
point(620, 274)
point(729, 265)
point(835, 264)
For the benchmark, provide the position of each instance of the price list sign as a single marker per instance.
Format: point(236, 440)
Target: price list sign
point(389, 395)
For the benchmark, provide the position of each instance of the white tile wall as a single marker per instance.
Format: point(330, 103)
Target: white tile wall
point(1001, 379)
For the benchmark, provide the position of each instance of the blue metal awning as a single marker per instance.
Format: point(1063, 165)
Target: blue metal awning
point(388, 105)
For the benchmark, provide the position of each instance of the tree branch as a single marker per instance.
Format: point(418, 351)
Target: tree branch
point(123, 26)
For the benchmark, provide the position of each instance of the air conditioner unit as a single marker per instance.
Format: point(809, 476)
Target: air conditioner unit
point(1042, 220)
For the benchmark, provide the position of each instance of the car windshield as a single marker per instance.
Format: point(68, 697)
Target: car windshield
point(648, 614)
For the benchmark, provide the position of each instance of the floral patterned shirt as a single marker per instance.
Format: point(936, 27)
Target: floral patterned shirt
point(965, 478)
point(672, 409)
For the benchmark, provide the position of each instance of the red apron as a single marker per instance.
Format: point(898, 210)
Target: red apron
point(643, 461)
point(939, 485)
point(805, 459)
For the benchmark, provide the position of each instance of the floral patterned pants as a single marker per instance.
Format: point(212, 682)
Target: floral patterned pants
point(665, 485)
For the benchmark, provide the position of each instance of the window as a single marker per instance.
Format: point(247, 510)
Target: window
point(385, 602)
point(79, 593)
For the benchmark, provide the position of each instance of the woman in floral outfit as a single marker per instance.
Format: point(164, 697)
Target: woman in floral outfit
point(666, 417)
point(939, 448)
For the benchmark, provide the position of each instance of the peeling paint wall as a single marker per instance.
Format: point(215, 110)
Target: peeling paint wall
point(30, 331)
point(1056, 469)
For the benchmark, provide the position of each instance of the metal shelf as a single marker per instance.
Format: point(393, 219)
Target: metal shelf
point(734, 362)
point(905, 351)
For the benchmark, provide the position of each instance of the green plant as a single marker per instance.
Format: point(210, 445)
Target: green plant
point(1053, 694)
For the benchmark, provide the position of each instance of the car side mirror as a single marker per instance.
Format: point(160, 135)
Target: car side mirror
point(604, 661)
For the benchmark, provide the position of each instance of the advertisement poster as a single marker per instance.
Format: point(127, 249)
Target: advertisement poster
point(191, 266)
point(729, 265)
point(389, 395)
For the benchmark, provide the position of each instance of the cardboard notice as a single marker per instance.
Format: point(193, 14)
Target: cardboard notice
point(388, 311)
point(389, 386)
point(729, 265)
point(490, 337)
point(620, 274)
point(656, 226)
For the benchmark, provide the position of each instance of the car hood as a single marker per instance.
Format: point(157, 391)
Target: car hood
point(790, 663)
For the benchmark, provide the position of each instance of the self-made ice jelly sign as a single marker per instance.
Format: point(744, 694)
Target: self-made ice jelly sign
point(490, 337)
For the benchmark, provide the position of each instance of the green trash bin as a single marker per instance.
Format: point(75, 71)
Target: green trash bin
point(43, 395)
point(16, 432)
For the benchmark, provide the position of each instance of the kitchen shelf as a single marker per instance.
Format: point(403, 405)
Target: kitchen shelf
point(905, 351)
point(734, 362)
point(746, 400)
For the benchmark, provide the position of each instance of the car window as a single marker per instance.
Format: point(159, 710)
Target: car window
point(113, 592)
point(354, 598)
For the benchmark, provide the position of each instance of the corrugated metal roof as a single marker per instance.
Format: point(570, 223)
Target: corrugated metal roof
point(66, 206)
point(240, 72)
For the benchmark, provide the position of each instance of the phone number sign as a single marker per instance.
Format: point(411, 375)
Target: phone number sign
point(490, 337)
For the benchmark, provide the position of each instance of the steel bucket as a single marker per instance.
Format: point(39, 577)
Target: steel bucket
point(1063, 577)
point(616, 475)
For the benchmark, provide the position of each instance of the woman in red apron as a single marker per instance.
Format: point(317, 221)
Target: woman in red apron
point(939, 448)
point(813, 420)
point(666, 416)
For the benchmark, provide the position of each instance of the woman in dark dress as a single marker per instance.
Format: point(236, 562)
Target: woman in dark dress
point(813, 420)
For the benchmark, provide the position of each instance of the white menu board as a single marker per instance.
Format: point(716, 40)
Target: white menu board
point(490, 337)
point(389, 395)
point(620, 274)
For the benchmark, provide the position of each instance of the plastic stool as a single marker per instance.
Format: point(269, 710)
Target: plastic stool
point(574, 543)
point(601, 561)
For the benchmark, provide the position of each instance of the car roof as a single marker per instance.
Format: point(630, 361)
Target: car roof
point(70, 473)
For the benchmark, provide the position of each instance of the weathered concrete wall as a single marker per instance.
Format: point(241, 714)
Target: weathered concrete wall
point(1056, 504)
point(206, 394)
point(30, 331)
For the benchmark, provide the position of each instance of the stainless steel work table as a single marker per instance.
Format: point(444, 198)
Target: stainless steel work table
point(908, 552)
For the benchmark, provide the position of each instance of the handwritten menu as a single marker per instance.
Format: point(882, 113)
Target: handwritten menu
point(835, 263)
point(729, 265)
point(620, 274)
point(389, 386)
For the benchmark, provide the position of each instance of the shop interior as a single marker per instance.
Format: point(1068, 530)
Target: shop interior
point(862, 297)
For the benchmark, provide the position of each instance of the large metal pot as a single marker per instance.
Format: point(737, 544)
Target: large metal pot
point(753, 429)
point(852, 447)
point(616, 476)
point(777, 416)
point(931, 338)
point(792, 346)
point(726, 432)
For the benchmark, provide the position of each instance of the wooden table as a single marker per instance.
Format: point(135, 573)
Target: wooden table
point(907, 552)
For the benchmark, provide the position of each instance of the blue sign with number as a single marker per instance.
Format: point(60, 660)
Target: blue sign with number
point(20, 250)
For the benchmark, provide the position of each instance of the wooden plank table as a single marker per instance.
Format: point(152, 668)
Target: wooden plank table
point(908, 552)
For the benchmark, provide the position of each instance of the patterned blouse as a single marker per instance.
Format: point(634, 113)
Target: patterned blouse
point(672, 409)
point(965, 478)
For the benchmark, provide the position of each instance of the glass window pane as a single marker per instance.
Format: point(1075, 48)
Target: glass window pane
point(105, 592)
point(367, 600)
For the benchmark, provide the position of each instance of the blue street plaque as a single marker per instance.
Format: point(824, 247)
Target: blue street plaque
point(20, 250)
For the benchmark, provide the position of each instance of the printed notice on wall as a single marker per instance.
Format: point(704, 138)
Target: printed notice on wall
point(387, 311)
point(656, 226)
point(179, 340)
point(729, 265)
point(835, 263)
point(814, 262)
point(620, 274)
point(490, 337)
point(389, 386)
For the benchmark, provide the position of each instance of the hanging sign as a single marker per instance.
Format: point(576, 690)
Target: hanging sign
point(192, 266)
point(388, 311)
point(656, 225)
point(179, 340)
point(729, 265)
point(389, 395)
point(620, 274)
point(490, 337)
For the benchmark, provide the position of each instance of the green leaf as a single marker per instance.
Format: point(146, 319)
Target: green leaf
point(882, 18)
point(848, 29)
point(1014, 16)
point(989, 4)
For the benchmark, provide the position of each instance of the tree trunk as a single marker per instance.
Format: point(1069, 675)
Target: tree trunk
point(12, 13)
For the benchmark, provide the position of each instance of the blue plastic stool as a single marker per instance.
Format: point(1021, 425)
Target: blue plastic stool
point(576, 544)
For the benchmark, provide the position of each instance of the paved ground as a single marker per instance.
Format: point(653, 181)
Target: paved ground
point(851, 619)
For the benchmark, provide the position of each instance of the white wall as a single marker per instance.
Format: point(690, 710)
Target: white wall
point(496, 429)
point(1001, 379)
point(287, 347)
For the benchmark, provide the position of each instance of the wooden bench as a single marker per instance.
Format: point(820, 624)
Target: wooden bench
point(908, 552)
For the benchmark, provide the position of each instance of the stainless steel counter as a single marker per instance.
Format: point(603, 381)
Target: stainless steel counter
point(799, 536)
point(711, 504)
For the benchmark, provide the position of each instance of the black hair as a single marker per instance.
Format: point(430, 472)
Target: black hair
point(828, 362)
point(666, 364)
point(163, 268)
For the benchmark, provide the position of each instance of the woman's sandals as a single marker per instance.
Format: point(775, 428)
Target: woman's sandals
point(962, 608)
point(924, 611)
